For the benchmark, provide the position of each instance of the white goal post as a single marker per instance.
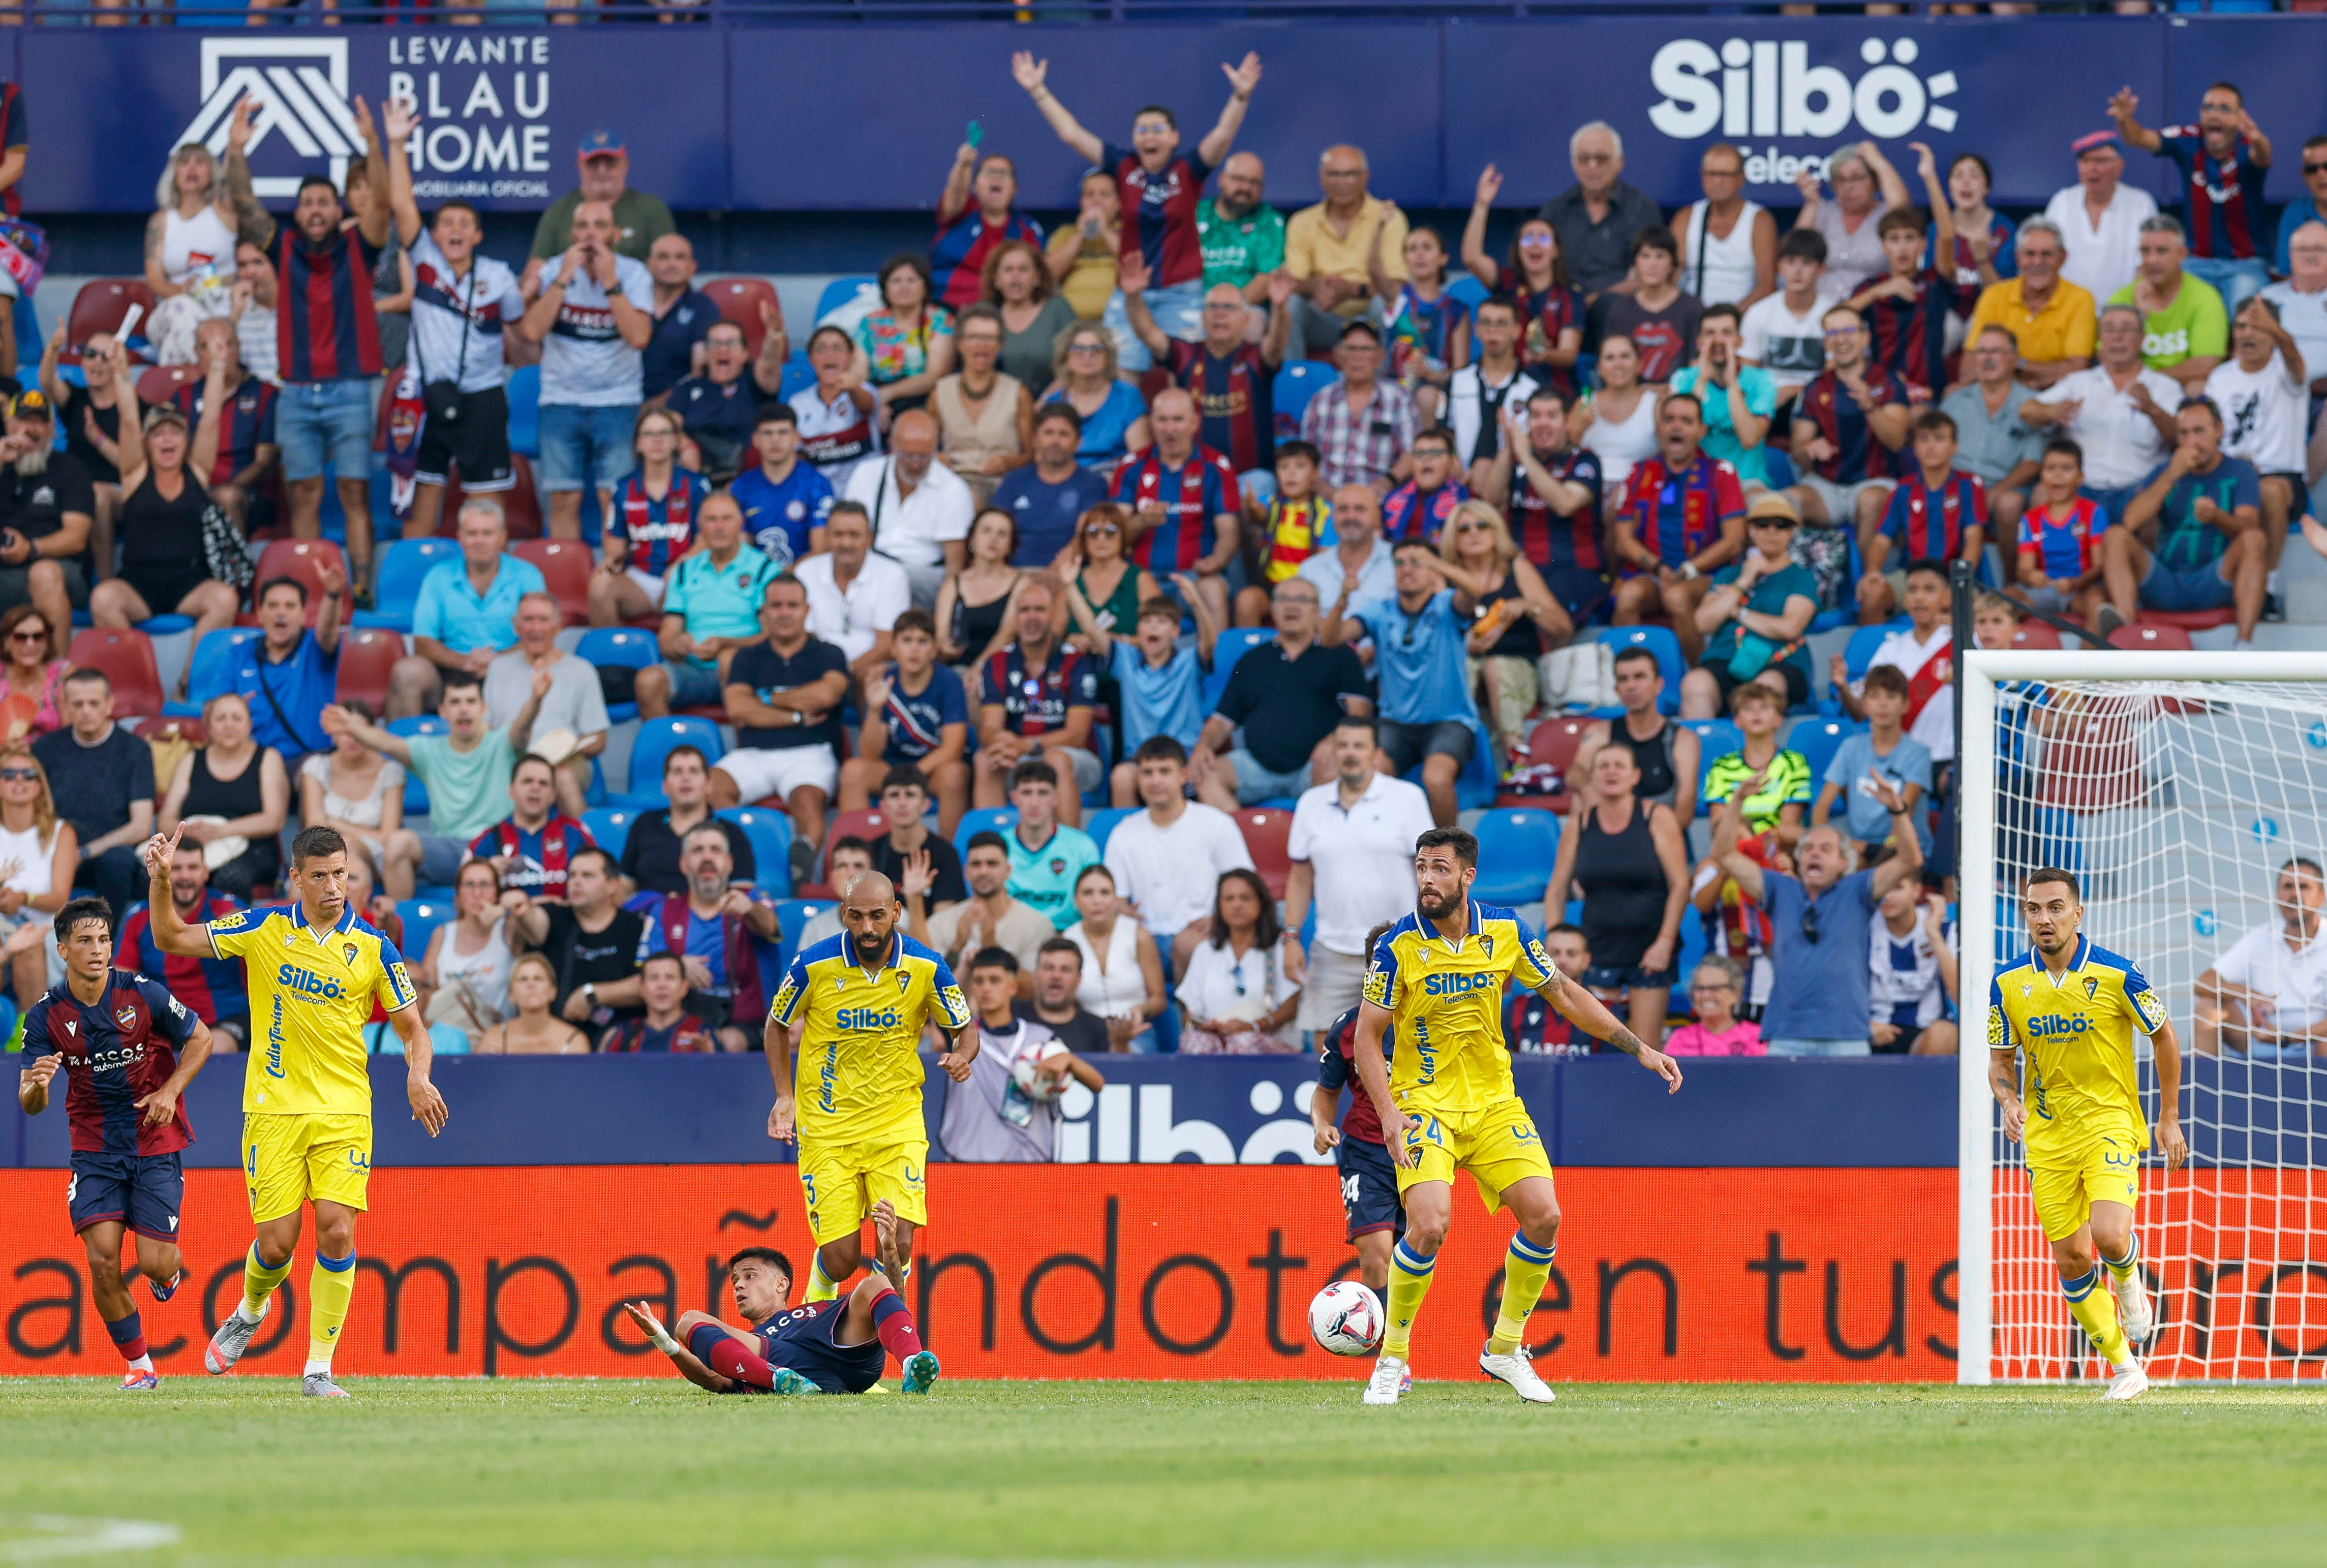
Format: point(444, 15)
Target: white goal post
point(2175, 785)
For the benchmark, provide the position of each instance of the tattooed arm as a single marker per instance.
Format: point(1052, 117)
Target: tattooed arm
point(251, 222)
point(1590, 1015)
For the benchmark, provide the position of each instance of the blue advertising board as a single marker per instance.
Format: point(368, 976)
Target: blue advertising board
point(725, 116)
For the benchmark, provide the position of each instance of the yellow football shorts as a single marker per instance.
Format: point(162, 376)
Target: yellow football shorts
point(842, 1182)
point(2105, 1168)
point(1497, 1145)
point(289, 1160)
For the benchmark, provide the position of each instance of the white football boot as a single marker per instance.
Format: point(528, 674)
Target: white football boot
point(2133, 1310)
point(1388, 1382)
point(1518, 1371)
point(2128, 1382)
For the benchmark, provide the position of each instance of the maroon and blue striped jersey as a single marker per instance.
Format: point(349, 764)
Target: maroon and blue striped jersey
point(1927, 525)
point(1408, 514)
point(659, 532)
point(324, 327)
point(1036, 702)
point(115, 1053)
point(2225, 193)
point(1675, 515)
point(1236, 397)
point(958, 255)
point(213, 988)
point(1159, 212)
point(1909, 338)
point(539, 856)
point(1191, 494)
point(248, 423)
point(1542, 317)
point(1857, 455)
point(1546, 540)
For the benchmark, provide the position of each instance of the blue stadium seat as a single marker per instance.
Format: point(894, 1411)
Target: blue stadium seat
point(656, 737)
point(1295, 383)
point(1817, 739)
point(1693, 949)
point(842, 290)
point(166, 625)
point(1232, 646)
point(524, 391)
point(1860, 651)
point(983, 819)
point(1517, 846)
point(1715, 738)
point(1101, 824)
point(1468, 289)
point(415, 793)
point(610, 826)
point(421, 917)
point(402, 565)
point(628, 647)
point(799, 376)
point(791, 914)
point(770, 834)
point(1658, 640)
point(381, 1039)
point(213, 659)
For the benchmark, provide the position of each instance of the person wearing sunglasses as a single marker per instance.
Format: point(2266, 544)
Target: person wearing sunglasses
point(1821, 923)
point(34, 677)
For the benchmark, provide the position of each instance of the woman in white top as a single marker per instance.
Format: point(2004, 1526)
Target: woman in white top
point(1123, 977)
point(464, 980)
point(531, 1030)
point(1728, 245)
point(1237, 997)
point(1860, 174)
point(358, 791)
point(37, 854)
point(1619, 421)
point(189, 244)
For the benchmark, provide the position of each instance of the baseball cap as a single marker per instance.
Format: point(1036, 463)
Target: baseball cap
point(32, 404)
point(2096, 141)
point(601, 142)
point(1772, 504)
point(164, 414)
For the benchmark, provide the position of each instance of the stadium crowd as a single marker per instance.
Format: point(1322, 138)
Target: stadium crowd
point(1131, 595)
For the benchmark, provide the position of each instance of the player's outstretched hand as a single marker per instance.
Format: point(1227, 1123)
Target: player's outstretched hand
point(779, 1119)
point(643, 1316)
point(2170, 1142)
point(1663, 1066)
point(427, 1104)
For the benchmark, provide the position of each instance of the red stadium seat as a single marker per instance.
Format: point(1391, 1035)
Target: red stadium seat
point(176, 727)
point(869, 826)
point(155, 387)
point(367, 655)
point(303, 559)
point(101, 304)
point(565, 565)
point(2154, 637)
point(126, 658)
point(739, 300)
point(1552, 743)
point(2036, 634)
point(2185, 620)
point(1265, 834)
point(521, 502)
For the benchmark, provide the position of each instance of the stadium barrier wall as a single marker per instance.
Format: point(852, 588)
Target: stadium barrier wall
point(660, 1110)
point(1430, 102)
point(1026, 1271)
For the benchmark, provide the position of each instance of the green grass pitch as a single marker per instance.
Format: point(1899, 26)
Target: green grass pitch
point(526, 1470)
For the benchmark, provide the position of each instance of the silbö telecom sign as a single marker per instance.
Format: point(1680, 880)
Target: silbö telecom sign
point(1767, 88)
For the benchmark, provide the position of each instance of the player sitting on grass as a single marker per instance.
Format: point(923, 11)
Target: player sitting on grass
point(833, 1347)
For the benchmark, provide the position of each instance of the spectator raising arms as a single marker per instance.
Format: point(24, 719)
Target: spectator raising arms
point(165, 567)
point(1231, 379)
point(977, 214)
point(1859, 174)
point(1155, 183)
point(718, 408)
point(2223, 159)
point(190, 240)
point(1547, 311)
point(1981, 254)
point(1162, 683)
point(466, 770)
point(839, 417)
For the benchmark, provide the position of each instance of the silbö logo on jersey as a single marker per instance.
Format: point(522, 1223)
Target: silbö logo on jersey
point(2053, 1025)
point(307, 984)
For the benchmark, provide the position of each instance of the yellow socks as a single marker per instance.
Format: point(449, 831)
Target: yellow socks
point(2096, 1309)
point(2124, 1268)
point(1525, 1268)
point(821, 1286)
point(1409, 1281)
point(258, 1282)
point(329, 1288)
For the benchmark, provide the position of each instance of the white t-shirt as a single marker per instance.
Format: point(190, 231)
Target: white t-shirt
point(2121, 443)
point(2103, 259)
point(584, 363)
point(1221, 986)
point(1935, 723)
point(851, 620)
point(575, 702)
point(488, 296)
point(1792, 348)
point(912, 529)
point(2296, 982)
point(1903, 974)
point(1363, 857)
point(2304, 317)
point(1172, 872)
point(2263, 414)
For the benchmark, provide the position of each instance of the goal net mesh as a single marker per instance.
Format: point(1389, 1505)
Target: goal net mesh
point(2177, 803)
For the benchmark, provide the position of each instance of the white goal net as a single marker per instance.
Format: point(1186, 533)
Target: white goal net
point(2177, 786)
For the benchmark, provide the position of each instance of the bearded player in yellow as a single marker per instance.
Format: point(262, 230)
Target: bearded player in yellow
point(859, 1001)
point(2071, 1008)
point(314, 967)
point(1446, 1102)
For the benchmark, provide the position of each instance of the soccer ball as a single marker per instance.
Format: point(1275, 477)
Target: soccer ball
point(1346, 1319)
point(1036, 1087)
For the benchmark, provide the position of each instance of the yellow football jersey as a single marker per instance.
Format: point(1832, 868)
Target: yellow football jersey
point(309, 1003)
point(1446, 1001)
point(2075, 1036)
point(856, 1067)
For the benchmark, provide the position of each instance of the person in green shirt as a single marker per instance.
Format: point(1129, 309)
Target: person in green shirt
point(1755, 617)
point(1243, 241)
point(1741, 400)
point(1783, 803)
point(640, 219)
point(2186, 330)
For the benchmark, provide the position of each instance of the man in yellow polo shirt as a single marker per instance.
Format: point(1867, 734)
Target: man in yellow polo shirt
point(2054, 320)
point(1326, 248)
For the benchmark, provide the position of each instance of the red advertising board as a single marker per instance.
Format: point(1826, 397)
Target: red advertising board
point(1096, 1271)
